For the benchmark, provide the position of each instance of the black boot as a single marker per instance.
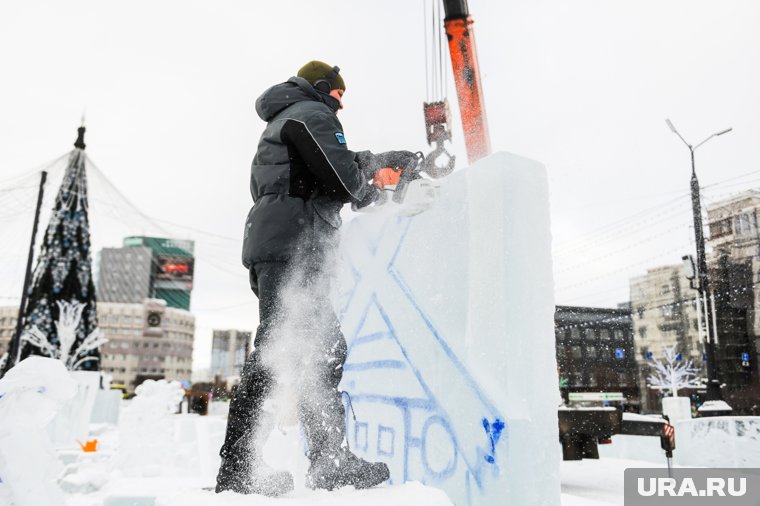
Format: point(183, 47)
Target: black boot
point(253, 479)
point(246, 473)
point(330, 471)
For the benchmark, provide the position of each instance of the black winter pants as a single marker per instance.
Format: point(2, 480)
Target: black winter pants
point(298, 343)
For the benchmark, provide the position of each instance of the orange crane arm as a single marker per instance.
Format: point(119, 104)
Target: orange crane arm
point(464, 63)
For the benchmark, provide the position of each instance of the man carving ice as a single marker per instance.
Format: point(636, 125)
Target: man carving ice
point(302, 175)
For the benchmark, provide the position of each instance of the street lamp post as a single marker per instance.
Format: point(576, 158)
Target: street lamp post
point(703, 284)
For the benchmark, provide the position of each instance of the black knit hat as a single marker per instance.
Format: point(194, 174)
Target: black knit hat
point(322, 76)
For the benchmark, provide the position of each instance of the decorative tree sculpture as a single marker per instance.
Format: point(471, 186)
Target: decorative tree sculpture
point(60, 319)
point(69, 318)
point(673, 374)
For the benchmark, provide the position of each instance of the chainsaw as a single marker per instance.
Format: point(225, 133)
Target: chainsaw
point(414, 192)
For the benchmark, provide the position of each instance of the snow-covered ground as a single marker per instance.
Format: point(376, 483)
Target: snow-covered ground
point(102, 479)
point(153, 457)
point(179, 492)
point(586, 482)
point(596, 482)
point(97, 479)
point(101, 482)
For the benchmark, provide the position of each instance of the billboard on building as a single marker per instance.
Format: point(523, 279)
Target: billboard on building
point(174, 268)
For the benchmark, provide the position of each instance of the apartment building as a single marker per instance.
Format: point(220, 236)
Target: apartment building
point(146, 341)
point(734, 264)
point(664, 314)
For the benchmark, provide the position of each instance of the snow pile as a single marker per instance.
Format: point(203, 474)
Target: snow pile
point(715, 407)
point(641, 448)
point(721, 441)
point(449, 317)
point(146, 430)
point(87, 475)
point(160, 396)
point(30, 395)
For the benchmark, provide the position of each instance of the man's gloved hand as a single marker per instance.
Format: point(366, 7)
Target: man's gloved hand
point(387, 176)
point(396, 159)
point(370, 163)
point(367, 164)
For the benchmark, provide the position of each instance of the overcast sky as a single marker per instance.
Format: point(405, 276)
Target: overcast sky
point(582, 86)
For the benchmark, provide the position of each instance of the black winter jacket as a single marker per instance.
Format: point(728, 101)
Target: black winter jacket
point(301, 176)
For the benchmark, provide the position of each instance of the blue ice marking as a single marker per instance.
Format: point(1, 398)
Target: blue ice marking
point(360, 436)
point(375, 364)
point(384, 249)
point(493, 430)
point(386, 437)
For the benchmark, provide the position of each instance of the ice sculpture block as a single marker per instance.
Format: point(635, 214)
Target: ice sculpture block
point(448, 315)
point(30, 395)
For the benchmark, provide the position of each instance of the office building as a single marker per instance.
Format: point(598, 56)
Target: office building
point(595, 351)
point(147, 268)
point(229, 349)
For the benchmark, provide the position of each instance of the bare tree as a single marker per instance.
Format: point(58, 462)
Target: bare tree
point(673, 374)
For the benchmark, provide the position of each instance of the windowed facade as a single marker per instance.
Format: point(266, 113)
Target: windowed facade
point(586, 341)
point(139, 348)
point(229, 350)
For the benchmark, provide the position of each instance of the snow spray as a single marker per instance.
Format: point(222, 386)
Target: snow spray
point(295, 347)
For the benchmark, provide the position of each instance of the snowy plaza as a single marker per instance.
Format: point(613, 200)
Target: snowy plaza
point(458, 419)
point(338, 253)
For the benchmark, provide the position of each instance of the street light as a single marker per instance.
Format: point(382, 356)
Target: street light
point(703, 284)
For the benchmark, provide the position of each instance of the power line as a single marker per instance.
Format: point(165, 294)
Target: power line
point(625, 248)
point(637, 217)
point(204, 232)
point(36, 170)
point(626, 268)
point(731, 179)
point(719, 296)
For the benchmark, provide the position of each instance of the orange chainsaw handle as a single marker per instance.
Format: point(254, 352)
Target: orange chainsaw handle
point(387, 176)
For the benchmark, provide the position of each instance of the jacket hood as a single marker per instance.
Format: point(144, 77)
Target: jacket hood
point(283, 95)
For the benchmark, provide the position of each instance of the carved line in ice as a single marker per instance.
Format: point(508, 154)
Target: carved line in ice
point(493, 429)
point(447, 471)
point(396, 275)
point(375, 364)
point(385, 437)
point(361, 432)
point(473, 467)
